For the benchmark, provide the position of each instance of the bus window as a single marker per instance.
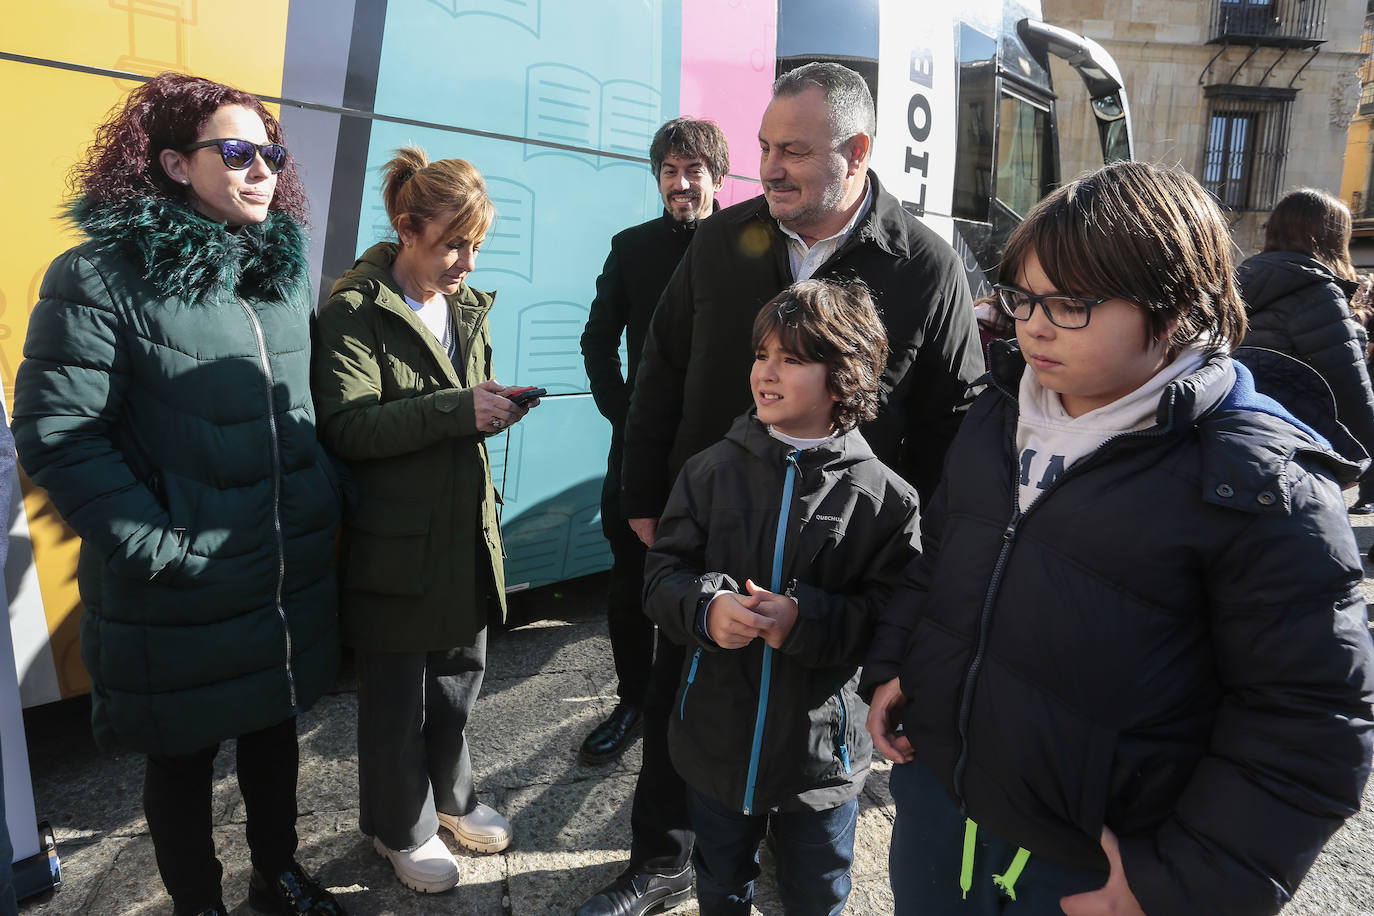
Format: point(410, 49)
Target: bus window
point(1022, 153)
point(977, 100)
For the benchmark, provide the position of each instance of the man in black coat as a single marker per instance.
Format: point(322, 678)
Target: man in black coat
point(823, 214)
point(690, 159)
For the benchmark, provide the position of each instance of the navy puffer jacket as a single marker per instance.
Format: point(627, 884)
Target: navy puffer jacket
point(1171, 641)
point(1296, 305)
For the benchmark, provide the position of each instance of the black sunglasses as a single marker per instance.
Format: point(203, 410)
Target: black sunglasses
point(239, 154)
point(1064, 311)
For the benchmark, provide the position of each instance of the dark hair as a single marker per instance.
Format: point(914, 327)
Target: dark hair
point(1149, 235)
point(846, 96)
point(168, 112)
point(692, 138)
point(1315, 223)
point(821, 321)
point(414, 187)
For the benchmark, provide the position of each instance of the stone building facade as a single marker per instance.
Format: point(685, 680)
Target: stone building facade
point(1253, 97)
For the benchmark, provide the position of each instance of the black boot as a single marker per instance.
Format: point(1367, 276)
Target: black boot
point(609, 739)
point(291, 893)
point(636, 893)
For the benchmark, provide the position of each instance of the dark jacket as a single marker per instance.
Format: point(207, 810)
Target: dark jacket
point(164, 403)
point(1296, 305)
point(694, 376)
point(851, 525)
point(642, 259)
point(422, 551)
point(1170, 641)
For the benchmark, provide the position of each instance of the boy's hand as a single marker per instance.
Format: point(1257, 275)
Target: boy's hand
point(781, 609)
point(883, 715)
point(731, 624)
point(1112, 899)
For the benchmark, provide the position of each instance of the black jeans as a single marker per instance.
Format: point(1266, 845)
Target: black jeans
point(632, 633)
point(176, 801)
point(662, 831)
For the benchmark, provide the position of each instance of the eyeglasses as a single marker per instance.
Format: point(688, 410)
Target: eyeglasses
point(239, 154)
point(1067, 312)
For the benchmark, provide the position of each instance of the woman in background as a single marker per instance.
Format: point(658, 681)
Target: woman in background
point(1297, 297)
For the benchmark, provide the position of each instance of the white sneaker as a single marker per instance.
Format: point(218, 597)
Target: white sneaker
point(428, 868)
point(481, 830)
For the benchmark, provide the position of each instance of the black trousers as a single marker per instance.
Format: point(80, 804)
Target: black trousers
point(176, 801)
point(659, 821)
point(632, 633)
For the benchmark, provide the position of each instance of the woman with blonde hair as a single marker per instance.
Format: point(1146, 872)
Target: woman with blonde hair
point(1297, 296)
point(403, 388)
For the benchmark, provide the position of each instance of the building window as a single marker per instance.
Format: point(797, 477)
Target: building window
point(1246, 145)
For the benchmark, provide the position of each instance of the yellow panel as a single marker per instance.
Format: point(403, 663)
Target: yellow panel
point(241, 43)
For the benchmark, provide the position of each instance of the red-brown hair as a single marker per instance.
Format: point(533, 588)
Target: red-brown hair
point(168, 112)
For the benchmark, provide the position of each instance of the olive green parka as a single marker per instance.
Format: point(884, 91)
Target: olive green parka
point(422, 548)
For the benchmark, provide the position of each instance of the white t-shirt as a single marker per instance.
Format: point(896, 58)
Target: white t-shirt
point(434, 315)
point(1049, 441)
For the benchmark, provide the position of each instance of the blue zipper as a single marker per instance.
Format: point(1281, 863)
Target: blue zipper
point(691, 676)
point(766, 675)
point(840, 744)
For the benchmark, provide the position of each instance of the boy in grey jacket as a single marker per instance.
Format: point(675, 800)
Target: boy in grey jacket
point(767, 722)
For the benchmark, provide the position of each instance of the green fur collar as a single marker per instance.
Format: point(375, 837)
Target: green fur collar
point(185, 255)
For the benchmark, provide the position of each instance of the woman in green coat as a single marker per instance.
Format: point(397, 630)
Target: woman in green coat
point(403, 387)
point(164, 403)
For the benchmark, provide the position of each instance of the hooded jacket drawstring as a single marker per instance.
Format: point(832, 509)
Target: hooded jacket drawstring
point(1007, 881)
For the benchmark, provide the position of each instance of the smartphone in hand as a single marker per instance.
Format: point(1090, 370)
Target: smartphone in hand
point(524, 396)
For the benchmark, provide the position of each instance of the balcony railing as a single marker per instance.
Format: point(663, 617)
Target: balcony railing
point(1283, 23)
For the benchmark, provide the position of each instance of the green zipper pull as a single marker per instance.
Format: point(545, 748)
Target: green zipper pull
point(1007, 882)
point(966, 869)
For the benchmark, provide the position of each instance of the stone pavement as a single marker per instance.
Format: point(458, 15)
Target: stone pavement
point(548, 682)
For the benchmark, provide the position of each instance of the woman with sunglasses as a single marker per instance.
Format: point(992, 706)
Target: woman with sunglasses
point(164, 403)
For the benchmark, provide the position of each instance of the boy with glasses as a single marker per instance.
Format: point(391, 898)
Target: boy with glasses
point(1131, 671)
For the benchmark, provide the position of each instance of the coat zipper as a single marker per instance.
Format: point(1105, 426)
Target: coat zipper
point(841, 745)
point(691, 676)
point(1008, 540)
point(276, 493)
point(766, 669)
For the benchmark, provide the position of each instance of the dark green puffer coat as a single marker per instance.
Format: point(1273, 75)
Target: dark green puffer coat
point(164, 402)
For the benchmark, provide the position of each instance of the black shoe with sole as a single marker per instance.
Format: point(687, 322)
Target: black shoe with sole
point(610, 739)
point(639, 892)
point(292, 893)
point(1363, 507)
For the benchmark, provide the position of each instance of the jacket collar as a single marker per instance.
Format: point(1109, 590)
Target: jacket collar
point(371, 275)
point(685, 229)
point(1248, 441)
point(185, 255)
point(835, 453)
point(1184, 402)
point(885, 224)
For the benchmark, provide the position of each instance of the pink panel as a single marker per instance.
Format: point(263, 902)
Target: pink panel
point(728, 61)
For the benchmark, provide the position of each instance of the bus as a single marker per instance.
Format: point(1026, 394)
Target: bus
point(555, 101)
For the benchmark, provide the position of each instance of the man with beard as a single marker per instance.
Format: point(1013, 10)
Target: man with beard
point(690, 159)
point(823, 213)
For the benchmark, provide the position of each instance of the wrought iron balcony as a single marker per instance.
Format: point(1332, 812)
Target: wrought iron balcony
point(1280, 23)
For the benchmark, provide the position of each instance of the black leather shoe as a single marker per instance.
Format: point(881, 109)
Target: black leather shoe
point(1363, 507)
point(292, 893)
point(638, 892)
point(609, 739)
